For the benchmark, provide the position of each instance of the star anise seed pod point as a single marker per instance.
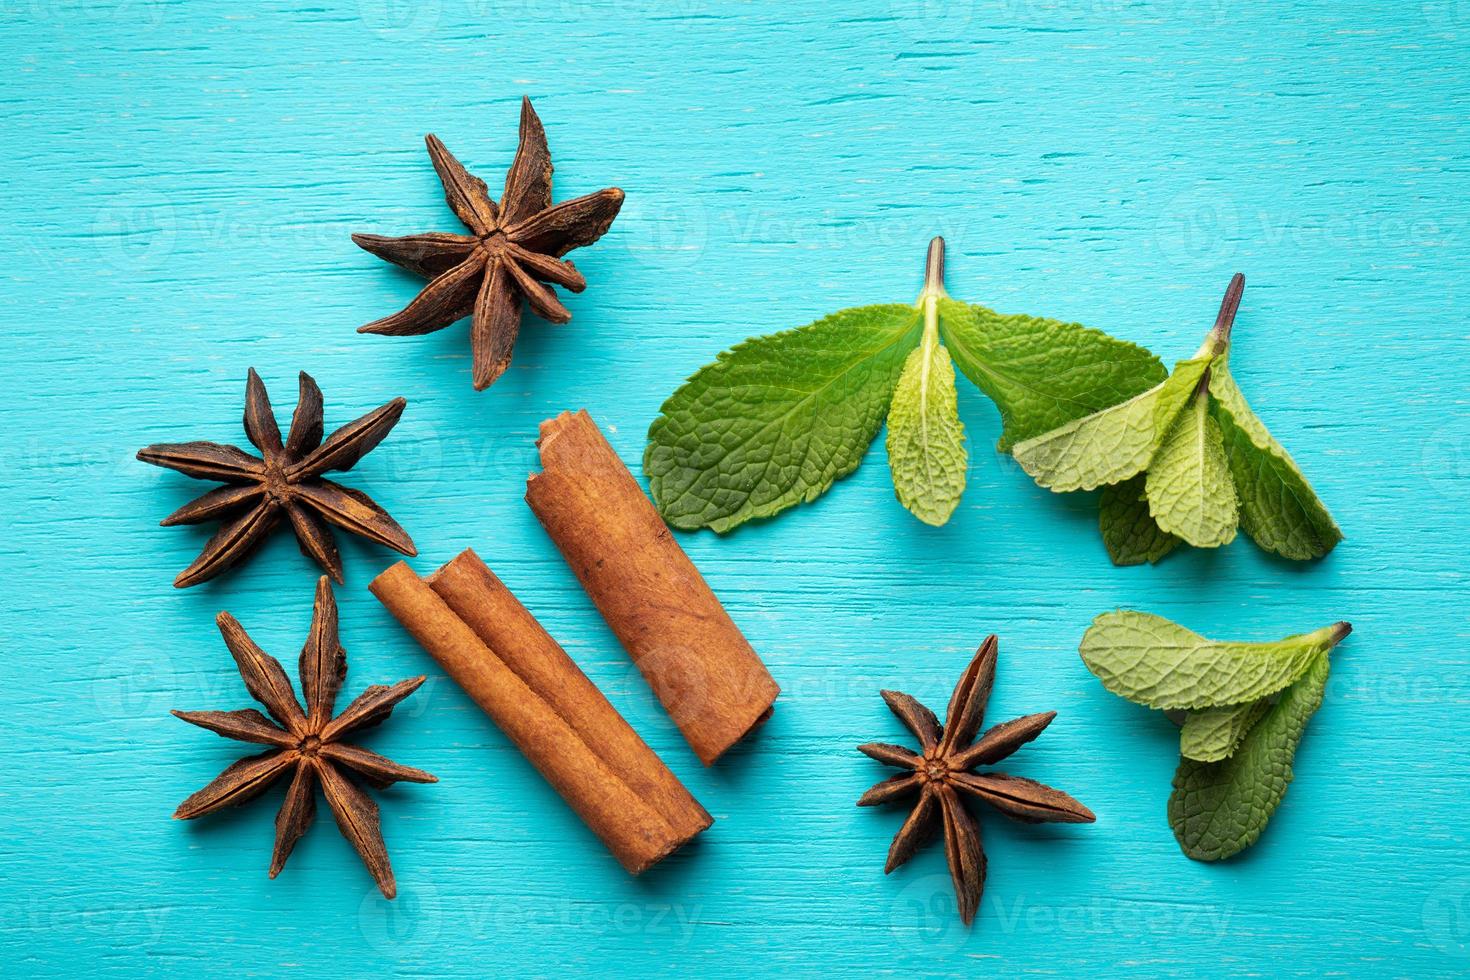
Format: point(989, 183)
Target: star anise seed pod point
point(944, 768)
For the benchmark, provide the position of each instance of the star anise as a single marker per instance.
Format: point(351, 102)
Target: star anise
point(513, 252)
point(945, 769)
point(306, 743)
point(287, 482)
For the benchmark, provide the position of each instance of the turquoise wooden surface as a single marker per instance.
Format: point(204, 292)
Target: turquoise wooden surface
point(180, 181)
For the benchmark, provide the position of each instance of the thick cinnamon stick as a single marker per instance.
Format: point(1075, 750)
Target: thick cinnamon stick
point(481, 600)
point(694, 657)
point(637, 834)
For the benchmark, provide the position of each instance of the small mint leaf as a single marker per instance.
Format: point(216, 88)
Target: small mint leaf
point(1212, 734)
point(1190, 494)
point(926, 442)
point(1128, 529)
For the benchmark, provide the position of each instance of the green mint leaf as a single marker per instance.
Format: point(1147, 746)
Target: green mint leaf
point(1103, 448)
point(1190, 493)
point(1219, 809)
point(1043, 373)
point(1160, 664)
point(1128, 529)
point(1176, 391)
point(926, 442)
point(1114, 444)
point(774, 421)
point(1278, 507)
point(1212, 734)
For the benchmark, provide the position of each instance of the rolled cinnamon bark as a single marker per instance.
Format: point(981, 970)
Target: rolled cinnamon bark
point(694, 657)
point(632, 828)
point(473, 592)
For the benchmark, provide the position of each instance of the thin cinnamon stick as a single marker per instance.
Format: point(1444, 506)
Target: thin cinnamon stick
point(694, 657)
point(481, 600)
point(636, 833)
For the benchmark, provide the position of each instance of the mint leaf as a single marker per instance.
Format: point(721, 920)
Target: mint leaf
point(774, 421)
point(1102, 448)
point(1190, 494)
point(1043, 373)
point(1112, 445)
point(1218, 809)
point(1278, 507)
point(1128, 529)
point(1159, 664)
point(926, 442)
point(1212, 734)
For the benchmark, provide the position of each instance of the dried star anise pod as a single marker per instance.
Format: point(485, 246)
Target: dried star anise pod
point(287, 482)
point(514, 250)
point(307, 743)
point(945, 769)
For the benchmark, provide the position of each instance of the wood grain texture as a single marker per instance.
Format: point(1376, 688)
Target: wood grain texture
point(179, 183)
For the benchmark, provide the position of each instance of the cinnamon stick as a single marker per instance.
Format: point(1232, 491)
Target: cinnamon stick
point(632, 826)
point(481, 600)
point(694, 657)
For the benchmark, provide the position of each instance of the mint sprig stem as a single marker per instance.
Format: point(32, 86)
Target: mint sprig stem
point(1218, 341)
